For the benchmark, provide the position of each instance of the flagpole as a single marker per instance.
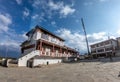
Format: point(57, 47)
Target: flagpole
point(85, 36)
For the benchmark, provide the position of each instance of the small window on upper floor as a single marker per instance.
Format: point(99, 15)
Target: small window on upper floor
point(97, 45)
point(101, 44)
point(92, 46)
point(107, 42)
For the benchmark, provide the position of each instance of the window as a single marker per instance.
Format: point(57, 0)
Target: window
point(108, 49)
point(94, 51)
point(100, 50)
point(92, 46)
point(107, 42)
point(45, 36)
point(101, 44)
point(97, 45)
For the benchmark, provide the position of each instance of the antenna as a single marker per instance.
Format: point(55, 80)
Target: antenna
point(108, 36)
point(85, 36)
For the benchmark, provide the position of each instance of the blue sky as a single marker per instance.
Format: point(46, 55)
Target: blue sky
point(61, 17)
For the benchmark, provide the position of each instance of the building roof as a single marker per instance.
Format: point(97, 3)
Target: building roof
point(45, 30)
point(103, 41)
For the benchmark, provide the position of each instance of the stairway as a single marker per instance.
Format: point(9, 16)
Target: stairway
point(22, 61)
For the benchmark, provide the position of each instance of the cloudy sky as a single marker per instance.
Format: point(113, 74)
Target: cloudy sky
point(62, 17)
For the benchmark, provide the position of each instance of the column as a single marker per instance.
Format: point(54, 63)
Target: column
point(40, 48)
point(67, 52)
point(60, 52)
point(40, 45)
point(53, 50)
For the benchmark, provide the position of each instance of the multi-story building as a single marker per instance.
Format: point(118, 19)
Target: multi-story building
point(104, 48)
point(118, 42)
point(44, 47)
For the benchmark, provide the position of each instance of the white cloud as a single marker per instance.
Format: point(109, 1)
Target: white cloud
point(56, 6)
point(26, 12)
point(10, 42)
point(98, 36)
point(74, 40)
point(24, 36)
point(118, 32)
point(12, 38)
point(5, 21)
point(77, 40)
point(35, 16)
point(8, 37)
point(19, 1)
point(52, 8)
point(53, 23)
point(38, 18)
point(36, 3)
point(67, 10)
point(41, 17)
point(63, 9)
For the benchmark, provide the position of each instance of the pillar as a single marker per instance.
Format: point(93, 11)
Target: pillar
point(40, 48)
point(60, 52)
point(53, 50)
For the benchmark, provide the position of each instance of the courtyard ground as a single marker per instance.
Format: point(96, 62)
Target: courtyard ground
point(84, 71)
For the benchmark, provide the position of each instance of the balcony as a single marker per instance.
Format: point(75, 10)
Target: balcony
point(51, 39)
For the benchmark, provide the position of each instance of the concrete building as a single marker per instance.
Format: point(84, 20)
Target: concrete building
point(118, 47)
point(104, 48)
point(44, 47)
point(118, 42)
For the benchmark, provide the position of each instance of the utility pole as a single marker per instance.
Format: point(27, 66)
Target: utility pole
point(6, 52)
point(108, 37)
point(85, 36)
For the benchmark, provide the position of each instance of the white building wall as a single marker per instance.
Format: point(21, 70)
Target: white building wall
point(114, 43)
point(44, 61)
point(35, 36)
point(50, 38)
point(53, 40)
point(38, 36)
point(23, 60)
point(47, 50)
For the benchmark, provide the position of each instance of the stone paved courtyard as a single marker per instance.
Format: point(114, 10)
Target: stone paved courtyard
point(74, 72)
